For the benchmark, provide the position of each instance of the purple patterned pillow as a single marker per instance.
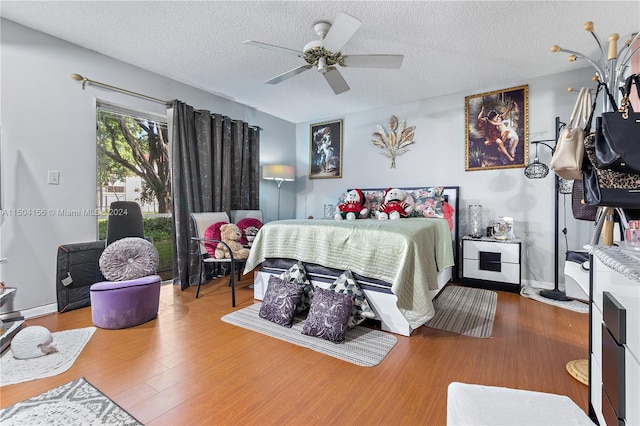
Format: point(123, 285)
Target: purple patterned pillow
point(329, 315)
point(280, 301)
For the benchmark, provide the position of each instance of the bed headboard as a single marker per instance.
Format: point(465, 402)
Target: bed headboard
point(452, 196)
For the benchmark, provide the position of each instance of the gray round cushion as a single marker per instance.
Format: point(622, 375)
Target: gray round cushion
point(129, 258)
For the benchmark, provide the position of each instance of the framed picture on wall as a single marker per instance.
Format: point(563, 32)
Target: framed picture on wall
point(497, 129)
point(325, 150)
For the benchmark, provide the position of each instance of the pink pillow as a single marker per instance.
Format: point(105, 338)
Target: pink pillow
point(213, 233)
point(448, 213)
point(244, 224)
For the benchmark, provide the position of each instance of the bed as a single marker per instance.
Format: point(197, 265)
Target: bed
point(400, 264)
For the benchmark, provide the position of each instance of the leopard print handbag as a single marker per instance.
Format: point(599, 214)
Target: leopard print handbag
point(605, 187)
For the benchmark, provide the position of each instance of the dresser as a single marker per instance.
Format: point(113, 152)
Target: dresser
point(491, 263)
point(614, 336)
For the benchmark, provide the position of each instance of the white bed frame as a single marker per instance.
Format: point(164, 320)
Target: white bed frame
point(385, 304)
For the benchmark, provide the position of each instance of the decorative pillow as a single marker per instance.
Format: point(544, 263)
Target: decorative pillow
point(361, 310)
point(213, 233)
point(328, 315)
point(246, 223)
point(298, 274)
point(428, 202)
point(32, 342)
point(129, 258)
point(280, 301)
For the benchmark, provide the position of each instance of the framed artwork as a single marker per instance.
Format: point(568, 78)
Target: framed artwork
point(325, 150)
point(497, 129)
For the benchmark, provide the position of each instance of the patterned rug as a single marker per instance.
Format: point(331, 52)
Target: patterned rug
point(76, 403)
point(465, 310)
point(362, 346)
point(69, 344)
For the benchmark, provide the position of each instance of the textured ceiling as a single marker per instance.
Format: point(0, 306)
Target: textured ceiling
point(448, 46)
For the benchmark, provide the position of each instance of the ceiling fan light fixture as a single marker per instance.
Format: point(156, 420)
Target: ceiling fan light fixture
point(322, 64)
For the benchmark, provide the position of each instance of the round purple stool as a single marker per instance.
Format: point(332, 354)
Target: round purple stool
point(123, 304)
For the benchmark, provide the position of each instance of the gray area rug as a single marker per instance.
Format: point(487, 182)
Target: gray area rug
point(572, 305)
point(69, 345)
point(362, 346)
point(465, 310)
point(76, 403)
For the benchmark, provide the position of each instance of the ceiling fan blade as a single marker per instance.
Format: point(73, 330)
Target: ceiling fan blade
point(373, 61)
point(272, 47)
point(342, 29)
point(288, 74)
point(336, 81)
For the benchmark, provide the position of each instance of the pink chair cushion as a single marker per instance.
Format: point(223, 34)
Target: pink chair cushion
point(244, 224)
point(213, 233)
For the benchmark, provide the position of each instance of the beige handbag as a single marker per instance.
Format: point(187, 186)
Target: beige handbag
point(567, 157)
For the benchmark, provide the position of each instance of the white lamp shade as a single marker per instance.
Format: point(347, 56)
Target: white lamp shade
point(278, 172)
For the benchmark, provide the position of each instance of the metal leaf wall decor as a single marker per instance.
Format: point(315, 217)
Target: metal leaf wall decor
point(396, 141)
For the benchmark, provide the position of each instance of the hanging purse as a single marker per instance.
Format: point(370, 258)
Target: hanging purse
point(569, 151)
point(604, 187)
point(580, 209)
point(617, 143)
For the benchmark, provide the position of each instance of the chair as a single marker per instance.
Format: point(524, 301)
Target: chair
point(238, 215)
point(201, 222)
point(125, 220)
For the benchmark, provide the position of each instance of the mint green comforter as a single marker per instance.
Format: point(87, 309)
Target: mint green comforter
point(408, 253)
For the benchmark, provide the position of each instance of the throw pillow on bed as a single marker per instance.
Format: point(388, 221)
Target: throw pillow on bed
point(280, 301)
point(361, 310)
point(298, 274)
point(328, 315)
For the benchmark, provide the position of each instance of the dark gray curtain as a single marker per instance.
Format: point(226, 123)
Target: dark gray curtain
point(215, 166)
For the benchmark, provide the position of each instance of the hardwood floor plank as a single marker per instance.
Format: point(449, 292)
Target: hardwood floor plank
point(189, 367)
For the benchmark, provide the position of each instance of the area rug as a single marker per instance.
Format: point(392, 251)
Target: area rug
point(69, 344)
point(76, 403)
point(572, 305)
point(465, 310)
point(362, 346)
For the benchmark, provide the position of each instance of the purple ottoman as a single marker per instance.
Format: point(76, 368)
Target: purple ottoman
point(122, 304)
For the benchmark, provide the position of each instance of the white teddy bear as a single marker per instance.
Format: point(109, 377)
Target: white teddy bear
point(353, 206)
point(394, 206)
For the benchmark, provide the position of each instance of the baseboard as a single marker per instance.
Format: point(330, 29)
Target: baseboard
point(38, 311)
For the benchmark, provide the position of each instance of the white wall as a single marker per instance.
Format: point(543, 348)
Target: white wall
point(438, 158)
point(48, 123)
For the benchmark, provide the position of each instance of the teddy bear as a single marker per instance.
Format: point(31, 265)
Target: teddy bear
point(394, 205)
point(353, 206)
point(231, 234)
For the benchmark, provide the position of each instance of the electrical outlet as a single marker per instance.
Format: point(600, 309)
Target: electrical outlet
point(53, 177)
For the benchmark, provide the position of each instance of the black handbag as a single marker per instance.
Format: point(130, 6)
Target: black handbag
point(580, 209)
point(605, 187)
point(617, 142)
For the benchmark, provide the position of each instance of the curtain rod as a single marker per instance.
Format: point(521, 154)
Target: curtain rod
point(85, 80)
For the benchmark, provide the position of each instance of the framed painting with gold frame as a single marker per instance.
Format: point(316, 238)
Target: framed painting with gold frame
point(325, 150)
point(497, 129)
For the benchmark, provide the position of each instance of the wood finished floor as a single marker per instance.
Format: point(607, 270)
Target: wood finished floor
point(188, 367)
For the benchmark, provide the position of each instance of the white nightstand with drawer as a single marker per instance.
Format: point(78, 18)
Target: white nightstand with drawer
point(491, 263)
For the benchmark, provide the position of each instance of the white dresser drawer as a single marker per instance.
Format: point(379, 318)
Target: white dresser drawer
point(626, 292)
point(508, 252)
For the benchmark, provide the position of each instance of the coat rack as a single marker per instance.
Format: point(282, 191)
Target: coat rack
point(610, 66)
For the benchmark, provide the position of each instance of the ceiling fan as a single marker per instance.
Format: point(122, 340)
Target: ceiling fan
point(324, 54)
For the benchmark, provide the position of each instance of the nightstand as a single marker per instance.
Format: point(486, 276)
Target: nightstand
point(492, 264)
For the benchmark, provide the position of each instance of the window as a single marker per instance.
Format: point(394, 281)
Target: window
point(133, 165)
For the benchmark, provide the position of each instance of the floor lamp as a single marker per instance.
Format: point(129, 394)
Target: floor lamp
point(538, 170)
point(279, 173)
